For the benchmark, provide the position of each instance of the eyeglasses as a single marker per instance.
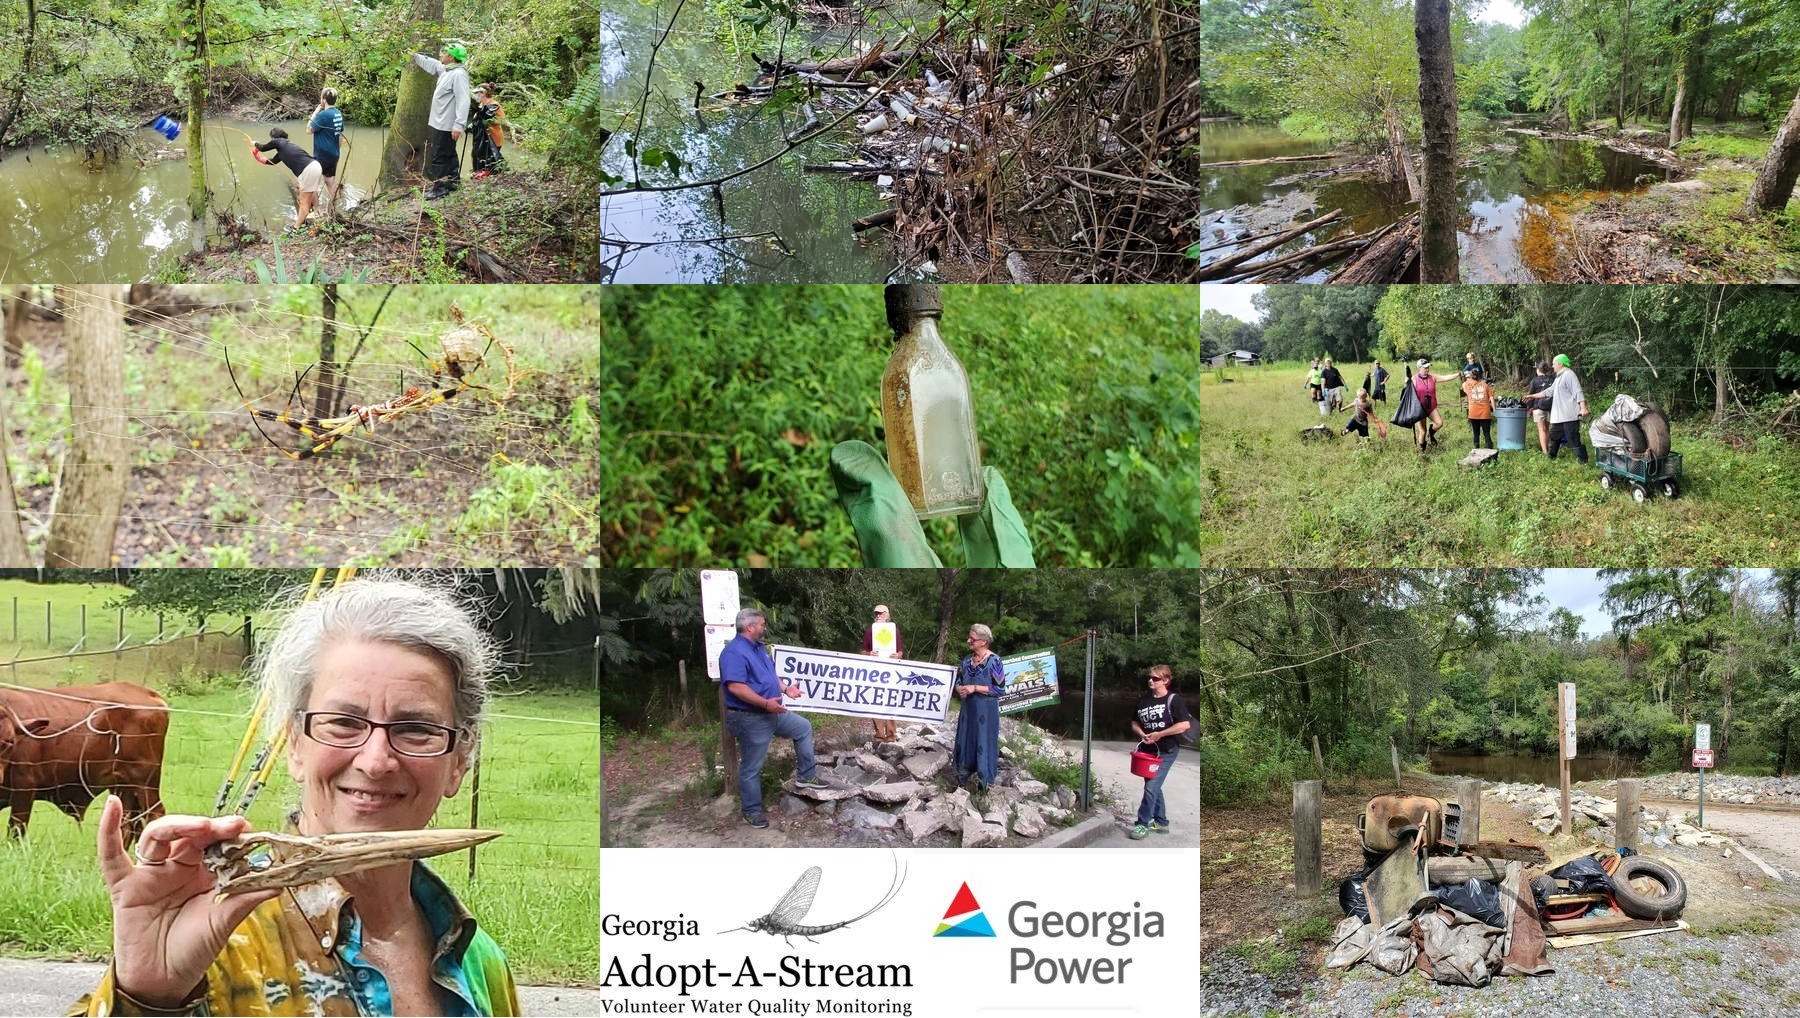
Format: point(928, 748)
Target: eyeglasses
point(348, 731)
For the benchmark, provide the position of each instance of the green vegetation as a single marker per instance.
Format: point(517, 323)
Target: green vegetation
point(1469, 661)
point(473, 479)
point(535, 890)
point(720, 407)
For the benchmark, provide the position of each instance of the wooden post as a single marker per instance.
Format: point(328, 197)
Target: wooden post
point(728, 754)
point(1308, 860)
point(1394, 751)
point(1625, 826)
point(121, 634)
point(46, 623)
point(1318, 759)
point(1564, 761)
point(474, 810)
point(681, 675)
point(1468, 792)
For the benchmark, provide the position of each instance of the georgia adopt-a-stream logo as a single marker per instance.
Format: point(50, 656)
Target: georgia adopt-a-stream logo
point(964, 917)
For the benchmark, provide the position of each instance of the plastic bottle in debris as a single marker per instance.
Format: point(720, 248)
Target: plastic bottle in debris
point(927, 410)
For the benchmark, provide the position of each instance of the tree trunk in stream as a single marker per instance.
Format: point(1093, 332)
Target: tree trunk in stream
point(191, 25)
point(1624, 63)
point(1402, 160)
point(1437, 102)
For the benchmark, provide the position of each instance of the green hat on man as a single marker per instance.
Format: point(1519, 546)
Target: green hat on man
point(457, 50)
point(1561, 358)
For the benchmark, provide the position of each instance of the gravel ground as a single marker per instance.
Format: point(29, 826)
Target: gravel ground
point(1647, 977)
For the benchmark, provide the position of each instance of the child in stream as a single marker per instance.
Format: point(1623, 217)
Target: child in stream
point(301, 164)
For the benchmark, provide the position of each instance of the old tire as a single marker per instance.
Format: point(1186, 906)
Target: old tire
point(1648, 889)
point(1635, 440)
point(1656, 432)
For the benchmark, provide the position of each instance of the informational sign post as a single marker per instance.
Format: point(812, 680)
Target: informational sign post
point(718, 609)
point(1030, 681)
point(1565, 697)
point(1703, 758)
point(884, 639)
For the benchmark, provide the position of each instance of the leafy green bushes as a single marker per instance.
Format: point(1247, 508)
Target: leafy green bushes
point(720, 406)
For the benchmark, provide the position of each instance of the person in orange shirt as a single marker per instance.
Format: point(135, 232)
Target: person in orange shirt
point(1478, 396)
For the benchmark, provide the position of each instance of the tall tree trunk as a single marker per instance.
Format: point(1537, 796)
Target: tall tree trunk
point(946, 610)
point(329, 380)
point(91, 489)
point(1437, 102)
point(23, 78)
point(12, 537)
point(193, 30)
point(1728, 98)
point(1774, 183)
point(1721, 391)
point(403, 154)
point(1678, 114)
point(1624, 65)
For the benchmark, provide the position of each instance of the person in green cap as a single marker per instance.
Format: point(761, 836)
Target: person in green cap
point(448, 119)
point(1568, 405)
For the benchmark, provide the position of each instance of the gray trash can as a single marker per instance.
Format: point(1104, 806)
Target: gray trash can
point(1509, 428)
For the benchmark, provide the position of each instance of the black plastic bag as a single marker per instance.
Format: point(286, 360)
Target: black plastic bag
point(1585, 876)
point(1353, 897)
point(1475, 898)
point(1410, 410)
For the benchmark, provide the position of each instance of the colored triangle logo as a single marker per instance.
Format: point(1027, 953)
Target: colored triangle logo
point(964, 917)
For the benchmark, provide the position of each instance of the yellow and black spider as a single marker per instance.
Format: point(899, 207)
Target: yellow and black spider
point(460, 360)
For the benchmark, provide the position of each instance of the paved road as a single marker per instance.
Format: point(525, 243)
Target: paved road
point(1112, 766)
point(49, 987)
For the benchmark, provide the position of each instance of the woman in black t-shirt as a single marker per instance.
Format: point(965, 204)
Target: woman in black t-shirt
point(1160, 721)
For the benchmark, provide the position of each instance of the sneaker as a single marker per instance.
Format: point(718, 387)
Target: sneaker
point(756, 820)
point(812, 783)
point(1157, 827)
point(1139, 832)
point(435, 193)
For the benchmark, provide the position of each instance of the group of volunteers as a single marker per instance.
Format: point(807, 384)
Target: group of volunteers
point(1554, 397)
point(451, 113)
point(755, 715)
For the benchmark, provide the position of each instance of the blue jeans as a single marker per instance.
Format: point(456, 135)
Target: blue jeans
point(1153, 807)
point(754, 730)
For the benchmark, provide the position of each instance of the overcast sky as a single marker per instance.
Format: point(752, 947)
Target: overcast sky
point(1504, 11)
point(1233, 300)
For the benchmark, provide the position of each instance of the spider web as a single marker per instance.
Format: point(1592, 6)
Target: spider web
point(474, 480)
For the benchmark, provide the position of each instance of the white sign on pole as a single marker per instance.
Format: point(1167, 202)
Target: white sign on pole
point(1566, 692)
point(1702, 736)
point(884, 639)
point(719, 596)
point(716, 639)
point(831, 682)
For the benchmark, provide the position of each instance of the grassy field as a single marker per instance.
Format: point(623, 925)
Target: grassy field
point(536, 890)
point(474, 480)
point(23, 611)
point(1272, 500)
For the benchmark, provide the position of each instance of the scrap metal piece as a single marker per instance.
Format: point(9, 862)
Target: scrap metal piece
point(266, 860)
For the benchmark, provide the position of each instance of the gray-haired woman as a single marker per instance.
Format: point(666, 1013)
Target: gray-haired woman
point(382, 686)
point(979, 680)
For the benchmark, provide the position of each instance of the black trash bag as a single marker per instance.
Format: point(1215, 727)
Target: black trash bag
point(1410, 410)
point(1353, 897)
point(1585, 876)
point(1475, 898)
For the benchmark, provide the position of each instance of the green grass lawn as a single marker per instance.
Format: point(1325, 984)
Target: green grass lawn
point(1272, 500)
point(23, 611)
point(536, 889)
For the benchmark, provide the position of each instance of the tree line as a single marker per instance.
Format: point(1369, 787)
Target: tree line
point(1470, 660)
point(1728, 350)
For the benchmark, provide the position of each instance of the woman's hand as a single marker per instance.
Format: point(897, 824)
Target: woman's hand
point(166, 926)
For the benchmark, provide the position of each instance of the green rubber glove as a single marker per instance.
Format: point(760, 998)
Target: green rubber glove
point(888, 530)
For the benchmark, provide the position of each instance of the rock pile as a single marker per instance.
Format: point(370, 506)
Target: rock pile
point(1595, 817)
point(881, 785)
point(1723, 788)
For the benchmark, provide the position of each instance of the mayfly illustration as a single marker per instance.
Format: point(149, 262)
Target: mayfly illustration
point(784, 919)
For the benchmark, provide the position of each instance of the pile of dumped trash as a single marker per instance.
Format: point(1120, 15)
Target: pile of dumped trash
point(1464, 911)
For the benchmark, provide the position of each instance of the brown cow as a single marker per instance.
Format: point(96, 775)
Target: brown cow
point(68, 745)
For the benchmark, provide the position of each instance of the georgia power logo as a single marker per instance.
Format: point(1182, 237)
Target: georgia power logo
point(964, 917)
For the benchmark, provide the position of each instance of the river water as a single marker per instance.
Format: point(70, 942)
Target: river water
point(59, 221)
point(809, 213)
point(1541, 770)
point(1512, 191)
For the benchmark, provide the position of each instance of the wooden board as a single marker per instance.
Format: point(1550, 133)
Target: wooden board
point(1584, 939)
point(1604, 924)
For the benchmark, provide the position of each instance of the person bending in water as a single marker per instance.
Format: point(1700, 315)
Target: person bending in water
point(301, 164)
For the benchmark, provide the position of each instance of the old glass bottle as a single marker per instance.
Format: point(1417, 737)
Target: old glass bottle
point(927, 410)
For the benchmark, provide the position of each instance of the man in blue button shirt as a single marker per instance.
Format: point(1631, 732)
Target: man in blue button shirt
point(755, 715)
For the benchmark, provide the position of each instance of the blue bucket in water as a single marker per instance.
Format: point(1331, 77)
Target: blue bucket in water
point(166, 127)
